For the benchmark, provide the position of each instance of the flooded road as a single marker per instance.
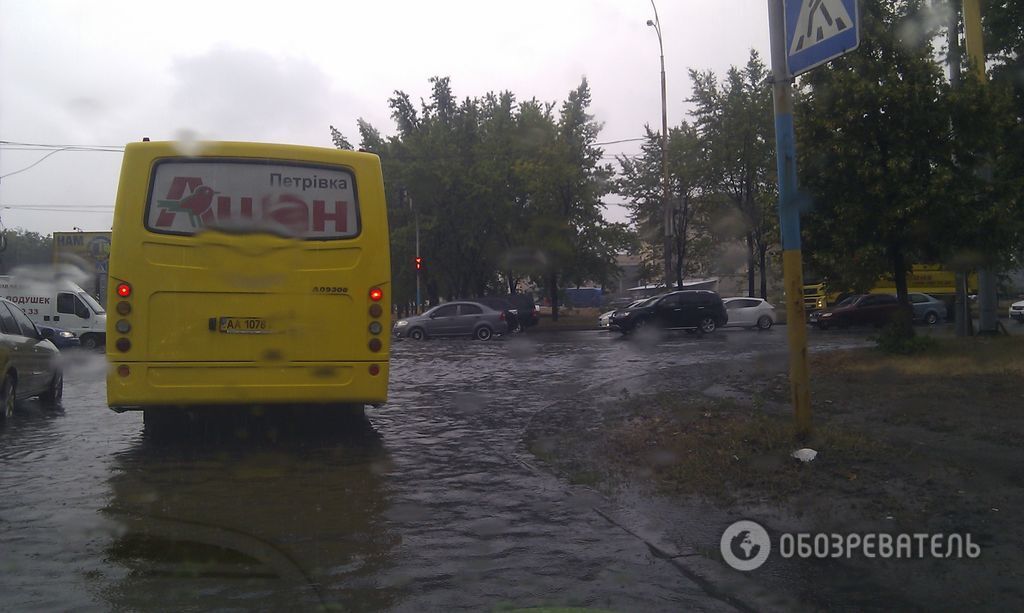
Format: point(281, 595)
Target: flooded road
point(427, 503)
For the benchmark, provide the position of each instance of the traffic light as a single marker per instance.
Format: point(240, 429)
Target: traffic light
point(419, 263)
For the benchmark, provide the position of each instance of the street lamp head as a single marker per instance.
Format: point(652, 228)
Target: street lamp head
point(650, 23)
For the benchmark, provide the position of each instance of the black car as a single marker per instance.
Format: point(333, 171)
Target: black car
point(699, 310)
point(520, 311)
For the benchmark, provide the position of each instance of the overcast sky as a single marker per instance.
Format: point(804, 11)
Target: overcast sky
point(106, 73)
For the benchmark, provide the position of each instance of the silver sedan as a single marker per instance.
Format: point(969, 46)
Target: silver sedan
point(454, 319)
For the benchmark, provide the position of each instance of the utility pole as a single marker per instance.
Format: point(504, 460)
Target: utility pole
point(987, 298)
point(789, 219)
point(962, 306)
point(405, 195)
point(416, 222)
point(656, 24)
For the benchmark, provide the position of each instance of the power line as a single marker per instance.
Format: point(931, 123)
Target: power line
point(42, 159)
point(624, 140)
point(58, 208)
point(49, 146)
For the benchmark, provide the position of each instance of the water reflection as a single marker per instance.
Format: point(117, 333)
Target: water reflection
point(287, 515)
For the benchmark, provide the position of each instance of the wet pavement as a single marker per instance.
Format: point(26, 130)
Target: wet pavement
point(427, 503)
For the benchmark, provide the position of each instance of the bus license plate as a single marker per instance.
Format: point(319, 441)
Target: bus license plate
point(244, 325)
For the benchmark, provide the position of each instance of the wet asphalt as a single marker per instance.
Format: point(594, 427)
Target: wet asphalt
point(426, 503)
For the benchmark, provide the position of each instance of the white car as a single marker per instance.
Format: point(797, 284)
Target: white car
point(1017, 311)
point(604, 320)
point(749, 312)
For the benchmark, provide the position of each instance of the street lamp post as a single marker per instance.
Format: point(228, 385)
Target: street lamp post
point(656, 24)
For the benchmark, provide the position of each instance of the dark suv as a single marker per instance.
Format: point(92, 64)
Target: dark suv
point(520, 311)
point(699, 310)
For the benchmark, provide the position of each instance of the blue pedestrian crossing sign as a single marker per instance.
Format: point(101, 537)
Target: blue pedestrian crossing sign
point(818, 31)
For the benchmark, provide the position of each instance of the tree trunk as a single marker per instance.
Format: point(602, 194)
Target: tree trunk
point(432, 293)
point(904, 321)
point(763, 265)
point(553, 294)
point(750, 264)
point(681, 233)
point(511, 282)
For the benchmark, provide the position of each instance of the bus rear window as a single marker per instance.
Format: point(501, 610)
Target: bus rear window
point(301, 201)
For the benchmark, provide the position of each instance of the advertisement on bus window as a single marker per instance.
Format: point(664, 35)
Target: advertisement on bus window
point(308, 202)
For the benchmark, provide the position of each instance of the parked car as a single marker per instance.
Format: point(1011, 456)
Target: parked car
point(750, 312)
point(858, 309)
point(520, 311)
point(28, 361)
point(1017, 311)
point(604, 320)
point(928, 309)
point(61, 338)
point(697, 310)
point(461, 318)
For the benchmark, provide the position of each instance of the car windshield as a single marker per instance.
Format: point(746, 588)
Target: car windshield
point(89, 300)
point(646, 302)
point(417, 306)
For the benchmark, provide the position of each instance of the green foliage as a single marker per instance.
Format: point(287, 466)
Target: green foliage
point(897, 343)
point(26, 248)
point(641, 183)
point(734, 121)
point(721, 175)
point(903, 168)
point(502, 191)
point(339, 140)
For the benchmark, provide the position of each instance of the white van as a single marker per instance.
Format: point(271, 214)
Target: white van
point(58, 304)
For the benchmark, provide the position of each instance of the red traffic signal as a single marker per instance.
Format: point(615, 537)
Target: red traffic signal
point(419, 263)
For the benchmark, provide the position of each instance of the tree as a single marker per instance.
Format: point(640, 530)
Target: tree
point(891, 157)
point(874, 134)
point(566, 183)
point(734, 121)
point(339, 140)
point(641, 183)
point(502, 191)
point(25, 248)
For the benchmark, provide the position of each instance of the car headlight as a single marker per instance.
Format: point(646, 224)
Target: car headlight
point(66, 334)
point(826, 315)
point(401, 323)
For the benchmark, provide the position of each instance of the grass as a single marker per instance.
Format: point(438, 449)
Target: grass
point(946, 357)
point(583, 319)
point(722, 450)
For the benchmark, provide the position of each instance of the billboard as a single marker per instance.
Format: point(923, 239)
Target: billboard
point(90, 252)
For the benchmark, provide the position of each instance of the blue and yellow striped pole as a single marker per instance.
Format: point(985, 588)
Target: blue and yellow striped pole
point(789, 220)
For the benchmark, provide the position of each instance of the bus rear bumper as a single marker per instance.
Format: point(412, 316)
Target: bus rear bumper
point(136, 385)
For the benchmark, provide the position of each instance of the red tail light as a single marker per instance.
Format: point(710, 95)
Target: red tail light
point(502, 316)
point(124, 290)
point(376, 294)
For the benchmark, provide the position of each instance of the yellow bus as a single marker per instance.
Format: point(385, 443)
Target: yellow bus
point(929, 279)
point(248, 274)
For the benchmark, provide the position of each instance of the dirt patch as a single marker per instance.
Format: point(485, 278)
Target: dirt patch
point(906, 444)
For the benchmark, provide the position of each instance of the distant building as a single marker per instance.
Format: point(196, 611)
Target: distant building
point(629, 275)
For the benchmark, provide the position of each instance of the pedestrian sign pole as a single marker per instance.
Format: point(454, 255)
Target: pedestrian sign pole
point(803, 35)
